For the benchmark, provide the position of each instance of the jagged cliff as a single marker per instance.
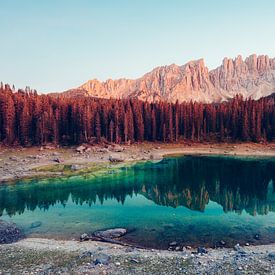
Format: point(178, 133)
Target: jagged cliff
point(253, 77)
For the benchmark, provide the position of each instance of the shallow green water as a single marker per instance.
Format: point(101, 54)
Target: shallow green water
point(192, 200)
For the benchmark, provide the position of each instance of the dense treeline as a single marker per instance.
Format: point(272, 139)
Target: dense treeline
point(27, 118)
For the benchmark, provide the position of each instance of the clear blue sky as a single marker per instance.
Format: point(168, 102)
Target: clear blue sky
point(53, 45)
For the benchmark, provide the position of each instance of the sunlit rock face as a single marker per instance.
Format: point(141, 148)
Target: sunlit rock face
point(253, 77)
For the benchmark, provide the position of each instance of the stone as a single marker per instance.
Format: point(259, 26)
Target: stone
point(173, 244)
point(9, 232)
point(88, 150)
point(80, 149)
point(222, 242)
point(129, 249)
point(36, 224)
point(76, 167)
point(58, 160)
point(103, 150)
point(103, 259)
point(86, 254)
point(48, 147)
point(113, 158)
point(84, 237)
point(239, 249)
point(13, 158)
point(110, 233)
point(202, 250)
point(134, 260)
point(271, 256)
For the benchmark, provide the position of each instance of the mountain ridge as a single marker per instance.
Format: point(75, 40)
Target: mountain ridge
point(252, 77)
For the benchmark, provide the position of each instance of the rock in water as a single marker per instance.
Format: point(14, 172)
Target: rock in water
point(111, 233)
point(36, 224)
point(9, 232)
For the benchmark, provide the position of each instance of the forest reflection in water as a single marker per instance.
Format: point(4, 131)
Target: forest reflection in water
point(236, 184)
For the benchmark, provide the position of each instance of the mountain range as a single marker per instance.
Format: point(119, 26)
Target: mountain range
point(253, 77)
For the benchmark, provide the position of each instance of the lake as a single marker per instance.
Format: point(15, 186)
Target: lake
point(194, 200)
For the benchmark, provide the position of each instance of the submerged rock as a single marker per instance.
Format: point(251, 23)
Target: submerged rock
point(9, 232)
point(36, 224)
point(111, 233)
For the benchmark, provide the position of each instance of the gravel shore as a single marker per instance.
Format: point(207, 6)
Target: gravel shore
point(44, 256)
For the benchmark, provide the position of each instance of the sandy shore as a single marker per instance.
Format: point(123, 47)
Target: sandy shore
point(42, 256)
point(49, 161)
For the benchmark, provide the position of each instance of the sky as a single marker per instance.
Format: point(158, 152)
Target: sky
point(54, 45)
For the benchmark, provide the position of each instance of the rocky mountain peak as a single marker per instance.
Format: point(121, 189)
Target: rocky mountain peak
point(252, 77)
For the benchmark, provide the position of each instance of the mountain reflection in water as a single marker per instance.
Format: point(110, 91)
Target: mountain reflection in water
point(236, 184)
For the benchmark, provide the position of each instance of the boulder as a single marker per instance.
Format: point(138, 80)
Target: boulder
point(80, 149)
point(76, 167)
point(239, 249)
point(116, 148)
point(9, 232)
point(84, 237)
point(271, 256)
point(48, 147)
point(110, 233)
point(88, 150)
point(202, 250)
point(103, 150)
point(102, 259)
point(36, 224)
point(14, 158)
point(58, 160)
point(173, 244)
point(113, 158)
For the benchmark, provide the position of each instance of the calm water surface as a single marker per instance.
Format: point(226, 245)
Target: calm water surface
point(192, 200)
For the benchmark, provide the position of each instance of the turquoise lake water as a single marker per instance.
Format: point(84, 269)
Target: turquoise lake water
point(194, 200)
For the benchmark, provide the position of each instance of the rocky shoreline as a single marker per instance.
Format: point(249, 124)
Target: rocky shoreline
point(51, 161)
point(44, 256)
